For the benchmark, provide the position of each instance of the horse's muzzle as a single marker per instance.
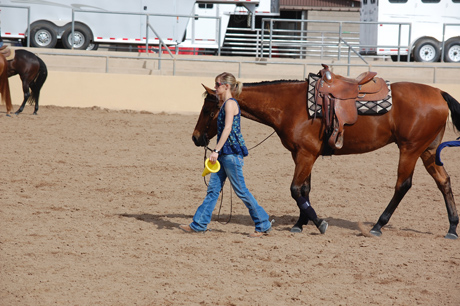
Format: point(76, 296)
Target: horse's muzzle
point(200, 141)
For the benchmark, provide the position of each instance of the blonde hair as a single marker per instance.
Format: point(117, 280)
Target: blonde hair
point(235, 86)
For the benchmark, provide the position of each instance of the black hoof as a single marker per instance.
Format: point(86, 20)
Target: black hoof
point(451, 236)
point(296, 229)
point(376, 233)
point(35, 114)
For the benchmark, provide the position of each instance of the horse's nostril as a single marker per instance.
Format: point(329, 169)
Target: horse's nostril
point(195, 140)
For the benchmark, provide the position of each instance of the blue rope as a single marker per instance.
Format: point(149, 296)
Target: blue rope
point(453, 143)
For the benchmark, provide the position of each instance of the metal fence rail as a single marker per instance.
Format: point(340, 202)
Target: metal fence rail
point(176, 63)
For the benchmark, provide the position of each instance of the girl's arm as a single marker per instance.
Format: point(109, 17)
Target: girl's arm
point(231, 109)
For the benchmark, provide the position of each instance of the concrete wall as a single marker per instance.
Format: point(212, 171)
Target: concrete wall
point(171, 94)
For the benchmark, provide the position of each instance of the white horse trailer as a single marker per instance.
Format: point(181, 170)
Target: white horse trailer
point(108, 22)
point(207, 30)
point(432, 22)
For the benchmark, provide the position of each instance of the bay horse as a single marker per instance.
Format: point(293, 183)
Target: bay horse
point(416, 123)
point(33, 72)
point(4, 85)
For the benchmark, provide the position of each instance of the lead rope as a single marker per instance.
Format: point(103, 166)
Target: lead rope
point(222, 190)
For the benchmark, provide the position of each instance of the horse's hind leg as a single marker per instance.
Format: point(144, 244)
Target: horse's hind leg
point(442, 179)
point(26, 90)
point(407, 161)
point(35, 89)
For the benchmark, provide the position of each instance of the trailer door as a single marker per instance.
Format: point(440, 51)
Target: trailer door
point(170, 28)
point(368, 32)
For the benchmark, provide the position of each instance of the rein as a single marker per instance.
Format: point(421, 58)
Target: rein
point(211, 117)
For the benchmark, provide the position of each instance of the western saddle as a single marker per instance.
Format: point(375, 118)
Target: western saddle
point(337, 97)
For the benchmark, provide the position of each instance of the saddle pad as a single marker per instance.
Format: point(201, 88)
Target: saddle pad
point(364, 107)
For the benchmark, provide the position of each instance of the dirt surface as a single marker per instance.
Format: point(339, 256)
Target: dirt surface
point(91, 200)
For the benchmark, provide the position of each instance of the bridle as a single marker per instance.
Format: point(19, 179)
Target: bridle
point(212, 115)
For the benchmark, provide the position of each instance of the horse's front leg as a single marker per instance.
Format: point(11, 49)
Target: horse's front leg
point(305, 193)
point(300, 190)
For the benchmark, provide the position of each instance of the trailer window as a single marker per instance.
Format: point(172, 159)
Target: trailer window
point(456, 1)
point(431, 1)
point(397, 1)
point(205, 5)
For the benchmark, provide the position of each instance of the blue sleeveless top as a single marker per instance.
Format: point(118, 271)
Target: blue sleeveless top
point(235, 142)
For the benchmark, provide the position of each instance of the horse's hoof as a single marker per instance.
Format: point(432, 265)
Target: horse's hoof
point(376, 233)
point(323, 227)
point(296, 229)
point(8, 115)
point(35, 114)
point(451, 236)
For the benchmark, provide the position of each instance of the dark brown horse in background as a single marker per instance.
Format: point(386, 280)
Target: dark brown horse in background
point(416, 123)
point(33, 72)
point(4, 85)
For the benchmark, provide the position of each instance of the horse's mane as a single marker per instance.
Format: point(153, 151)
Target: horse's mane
point(270, 83)
point(262, 83)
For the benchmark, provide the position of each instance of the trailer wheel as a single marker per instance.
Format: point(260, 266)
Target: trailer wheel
point(43, 35)
point(82, 37)
point(92, 46)
point(402, 58)
point(452, 51)
point(427, 50)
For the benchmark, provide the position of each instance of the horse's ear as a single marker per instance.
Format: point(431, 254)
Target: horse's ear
point(209, 90)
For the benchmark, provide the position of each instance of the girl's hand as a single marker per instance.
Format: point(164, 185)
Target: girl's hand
point(213, 157)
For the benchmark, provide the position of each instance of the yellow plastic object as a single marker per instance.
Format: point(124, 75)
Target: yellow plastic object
point(210, 167)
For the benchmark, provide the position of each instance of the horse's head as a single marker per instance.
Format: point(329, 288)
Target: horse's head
point(206, 126)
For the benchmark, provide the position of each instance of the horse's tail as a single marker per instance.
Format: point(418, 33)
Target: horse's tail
point(454, 107)
point(5, 86)
point(38, 82)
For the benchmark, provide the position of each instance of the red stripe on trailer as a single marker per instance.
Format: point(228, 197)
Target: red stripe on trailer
point(112, 38)
point(125, 38)
point(99, 37)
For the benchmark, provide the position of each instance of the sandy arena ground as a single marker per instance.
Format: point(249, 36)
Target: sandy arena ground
point(91, 200)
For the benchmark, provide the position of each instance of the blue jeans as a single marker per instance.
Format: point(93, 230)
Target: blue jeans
point(231, 166)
